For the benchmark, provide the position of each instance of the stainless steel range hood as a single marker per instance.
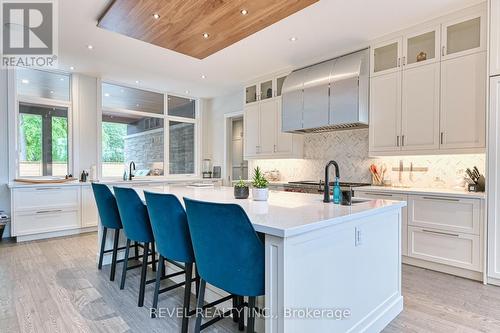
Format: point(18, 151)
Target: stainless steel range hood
point(332, 95)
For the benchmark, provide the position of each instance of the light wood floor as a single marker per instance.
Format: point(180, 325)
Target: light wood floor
point(54, 286)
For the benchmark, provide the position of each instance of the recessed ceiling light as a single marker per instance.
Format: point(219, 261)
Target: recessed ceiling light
point(206, 35)
point(203, 76)
point(244, 12)
point(90, 47)
point(61, 79)
point(187, 92)
point(137, 105)
point(293, 39)
point(136, 81)
point(52, 91)
point(25, 81)
point(71, 68)
point(156, 16)
point(106, 94)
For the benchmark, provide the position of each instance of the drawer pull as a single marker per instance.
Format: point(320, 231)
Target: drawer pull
point(439, 233)
point(47, 188)
point(442, 199)
point(49, 211)
point(379, 194)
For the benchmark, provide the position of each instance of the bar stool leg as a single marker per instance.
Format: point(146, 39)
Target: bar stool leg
point(241, 310)
point(161, 264)
point(251, 315)
point(199, 306)
point(103, 247)
point(115, 253)
point(136, 251)
point(187, 297)
point(235, 308)
point(197, 277)
point(125, 264)
point(144, 271)
point(153, 256)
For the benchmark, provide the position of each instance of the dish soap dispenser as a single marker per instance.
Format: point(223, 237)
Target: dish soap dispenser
point(336, 191)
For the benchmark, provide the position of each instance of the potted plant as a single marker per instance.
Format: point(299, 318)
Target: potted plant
point(260, 191)
point(240, 190)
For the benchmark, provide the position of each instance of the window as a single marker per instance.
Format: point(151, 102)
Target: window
point(43, 141)
point(43, 132)
point(135, 126)
point(127, 138)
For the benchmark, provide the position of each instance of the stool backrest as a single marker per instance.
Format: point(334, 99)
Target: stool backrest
point(106, 206)
point(170, 227)
point(134, 215)
point(228, 251)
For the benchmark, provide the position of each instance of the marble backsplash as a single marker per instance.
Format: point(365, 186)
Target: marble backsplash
point(350, 150)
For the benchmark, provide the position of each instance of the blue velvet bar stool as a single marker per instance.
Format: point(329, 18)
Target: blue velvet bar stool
point(229, 254)
point(173, 242)
point(136, 225)
point(110, 219)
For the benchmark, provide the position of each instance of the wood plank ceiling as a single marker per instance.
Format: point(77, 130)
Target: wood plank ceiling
point(197, 28)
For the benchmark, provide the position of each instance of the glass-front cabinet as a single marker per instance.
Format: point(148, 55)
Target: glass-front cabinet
point(464, 36)
point(421, 47)
point(386, 57)
point(265, 89)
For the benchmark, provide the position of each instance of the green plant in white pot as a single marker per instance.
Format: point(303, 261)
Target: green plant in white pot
point(260, 190)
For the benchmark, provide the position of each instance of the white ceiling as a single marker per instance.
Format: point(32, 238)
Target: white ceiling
point(324, 30)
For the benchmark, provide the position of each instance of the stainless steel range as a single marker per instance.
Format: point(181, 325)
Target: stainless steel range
point(311, 186)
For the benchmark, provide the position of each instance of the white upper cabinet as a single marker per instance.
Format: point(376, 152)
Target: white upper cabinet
point(385, 57)
point(420, 108)
point(385, 112)
point(428, 88)
point(495, 38)
point(251, 94)
point(251, 124)
point(463, 102)
point(263, 123)
point(268, 126)
point(463, 36)
point(421, 47)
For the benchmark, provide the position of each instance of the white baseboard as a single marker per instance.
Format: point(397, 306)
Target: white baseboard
point(54, 234)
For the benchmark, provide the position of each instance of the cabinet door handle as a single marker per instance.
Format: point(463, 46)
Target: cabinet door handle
point(397, 140)
point(439, 233)
point(443, 51)
point(402, 140)
point(404, 61)
point(441, 199)
point(274, 148)
point(47, 188)
point(399, 62)
point(49, 211)
point(378, 194)
point(441, 139)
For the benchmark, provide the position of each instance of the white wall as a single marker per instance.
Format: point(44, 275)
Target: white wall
point(213, 130)
point(85, 119)
point(4, 161)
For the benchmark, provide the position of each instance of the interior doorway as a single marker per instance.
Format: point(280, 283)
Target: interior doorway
point(239, 167)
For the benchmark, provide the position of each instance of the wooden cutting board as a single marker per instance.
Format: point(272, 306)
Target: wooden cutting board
point(44, 180)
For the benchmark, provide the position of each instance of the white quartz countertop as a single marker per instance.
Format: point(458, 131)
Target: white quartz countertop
point(285, 214)
point(114, 182)
point(423, 191)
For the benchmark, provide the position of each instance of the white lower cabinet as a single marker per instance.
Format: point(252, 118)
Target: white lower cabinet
point(90, 216)
point(48, 211)
point(443, 233)
point(404, 216)
point(443, 247)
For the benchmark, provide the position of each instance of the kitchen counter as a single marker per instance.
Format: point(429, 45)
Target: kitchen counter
point(423, 191)
point(115, 182)
point(286, 214)
point(323, 257)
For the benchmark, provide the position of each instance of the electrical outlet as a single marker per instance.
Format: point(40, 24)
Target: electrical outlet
point(358, 237)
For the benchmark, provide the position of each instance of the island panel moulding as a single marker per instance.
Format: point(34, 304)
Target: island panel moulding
point(192, 27)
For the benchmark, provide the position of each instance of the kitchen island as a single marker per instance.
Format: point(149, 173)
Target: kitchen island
point(329, 268)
